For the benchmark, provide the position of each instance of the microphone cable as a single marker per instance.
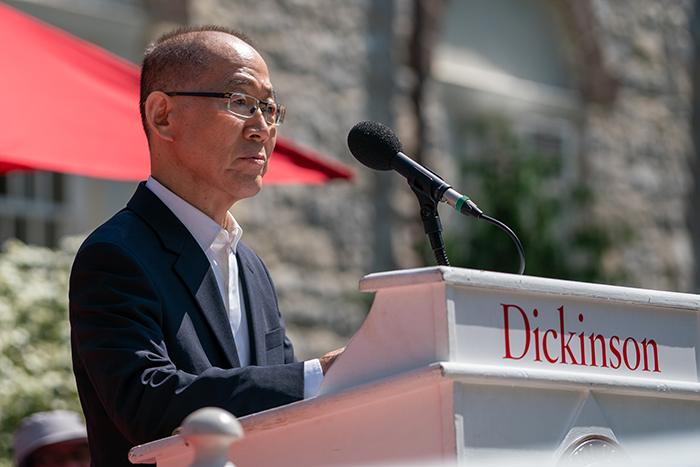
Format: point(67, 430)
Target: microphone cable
point(513, 237)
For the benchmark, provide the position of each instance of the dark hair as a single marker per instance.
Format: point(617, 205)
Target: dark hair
point(175, 59)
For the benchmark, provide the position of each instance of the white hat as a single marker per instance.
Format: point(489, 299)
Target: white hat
point(44, 428)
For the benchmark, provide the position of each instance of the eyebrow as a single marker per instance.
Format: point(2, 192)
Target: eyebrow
point(233, 82)
point(239, 81)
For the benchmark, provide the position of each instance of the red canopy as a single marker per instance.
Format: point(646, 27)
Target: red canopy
point(69, 106)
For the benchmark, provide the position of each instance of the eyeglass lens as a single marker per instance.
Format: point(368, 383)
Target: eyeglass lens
point(245, 106)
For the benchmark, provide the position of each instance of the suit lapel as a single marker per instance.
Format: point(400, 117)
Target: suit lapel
point(200, 280)
point(192, 266)
point(253, 306)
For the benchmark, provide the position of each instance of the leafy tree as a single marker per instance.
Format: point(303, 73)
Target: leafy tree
point(525, 189)
point(35, 364)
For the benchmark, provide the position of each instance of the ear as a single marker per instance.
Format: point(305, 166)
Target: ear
point(158, 111)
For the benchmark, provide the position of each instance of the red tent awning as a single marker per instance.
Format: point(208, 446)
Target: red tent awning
point(69, 106)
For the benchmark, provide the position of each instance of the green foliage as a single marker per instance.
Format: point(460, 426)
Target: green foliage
point(35, 365)
point(526, 189)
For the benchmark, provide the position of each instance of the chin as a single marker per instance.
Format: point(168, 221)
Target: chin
point(250, 189)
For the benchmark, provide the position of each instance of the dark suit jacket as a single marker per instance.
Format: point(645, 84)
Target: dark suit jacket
point(151, 339)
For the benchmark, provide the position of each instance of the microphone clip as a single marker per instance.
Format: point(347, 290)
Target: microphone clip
point(431, 224)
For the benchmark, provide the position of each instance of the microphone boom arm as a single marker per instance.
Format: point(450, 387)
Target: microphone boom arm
point(432, 185)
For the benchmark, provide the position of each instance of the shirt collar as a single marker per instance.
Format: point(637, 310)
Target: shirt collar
point(205, 231)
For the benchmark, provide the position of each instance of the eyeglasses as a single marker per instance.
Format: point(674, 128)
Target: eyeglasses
point(242, 105)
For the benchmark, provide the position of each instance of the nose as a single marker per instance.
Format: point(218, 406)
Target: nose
point(257, 128)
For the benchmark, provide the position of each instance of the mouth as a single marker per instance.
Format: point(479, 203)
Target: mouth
point(258, 159)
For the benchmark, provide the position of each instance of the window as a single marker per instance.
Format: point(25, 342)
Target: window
point(32, 207)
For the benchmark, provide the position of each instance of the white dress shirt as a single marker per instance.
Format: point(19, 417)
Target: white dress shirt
point(219, 245)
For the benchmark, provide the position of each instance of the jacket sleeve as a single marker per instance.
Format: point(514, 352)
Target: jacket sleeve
point(116, 316)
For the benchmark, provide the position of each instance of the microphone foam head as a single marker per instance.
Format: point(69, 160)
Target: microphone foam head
point(374, 144)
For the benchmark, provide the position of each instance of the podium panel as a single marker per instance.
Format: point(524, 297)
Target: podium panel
point(481, 317)
point(460, 365)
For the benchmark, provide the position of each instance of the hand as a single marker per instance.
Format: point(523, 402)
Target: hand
point(328, 359)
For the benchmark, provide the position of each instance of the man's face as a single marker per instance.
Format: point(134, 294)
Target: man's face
point(63, 454)
point(218, 151)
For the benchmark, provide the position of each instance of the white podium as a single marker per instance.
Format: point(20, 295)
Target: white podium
point(455, 365)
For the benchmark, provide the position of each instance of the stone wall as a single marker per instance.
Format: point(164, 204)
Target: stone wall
point(638, 149)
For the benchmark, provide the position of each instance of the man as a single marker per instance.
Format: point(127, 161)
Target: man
point(56, 438)
point(169, 311)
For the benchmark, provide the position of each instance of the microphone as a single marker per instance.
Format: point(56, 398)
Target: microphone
point(377, 146)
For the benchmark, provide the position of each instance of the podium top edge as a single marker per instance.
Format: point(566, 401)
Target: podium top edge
point(527, 284)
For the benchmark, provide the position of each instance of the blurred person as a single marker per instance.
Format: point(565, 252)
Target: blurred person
point(51, 439)
point(169, 310)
